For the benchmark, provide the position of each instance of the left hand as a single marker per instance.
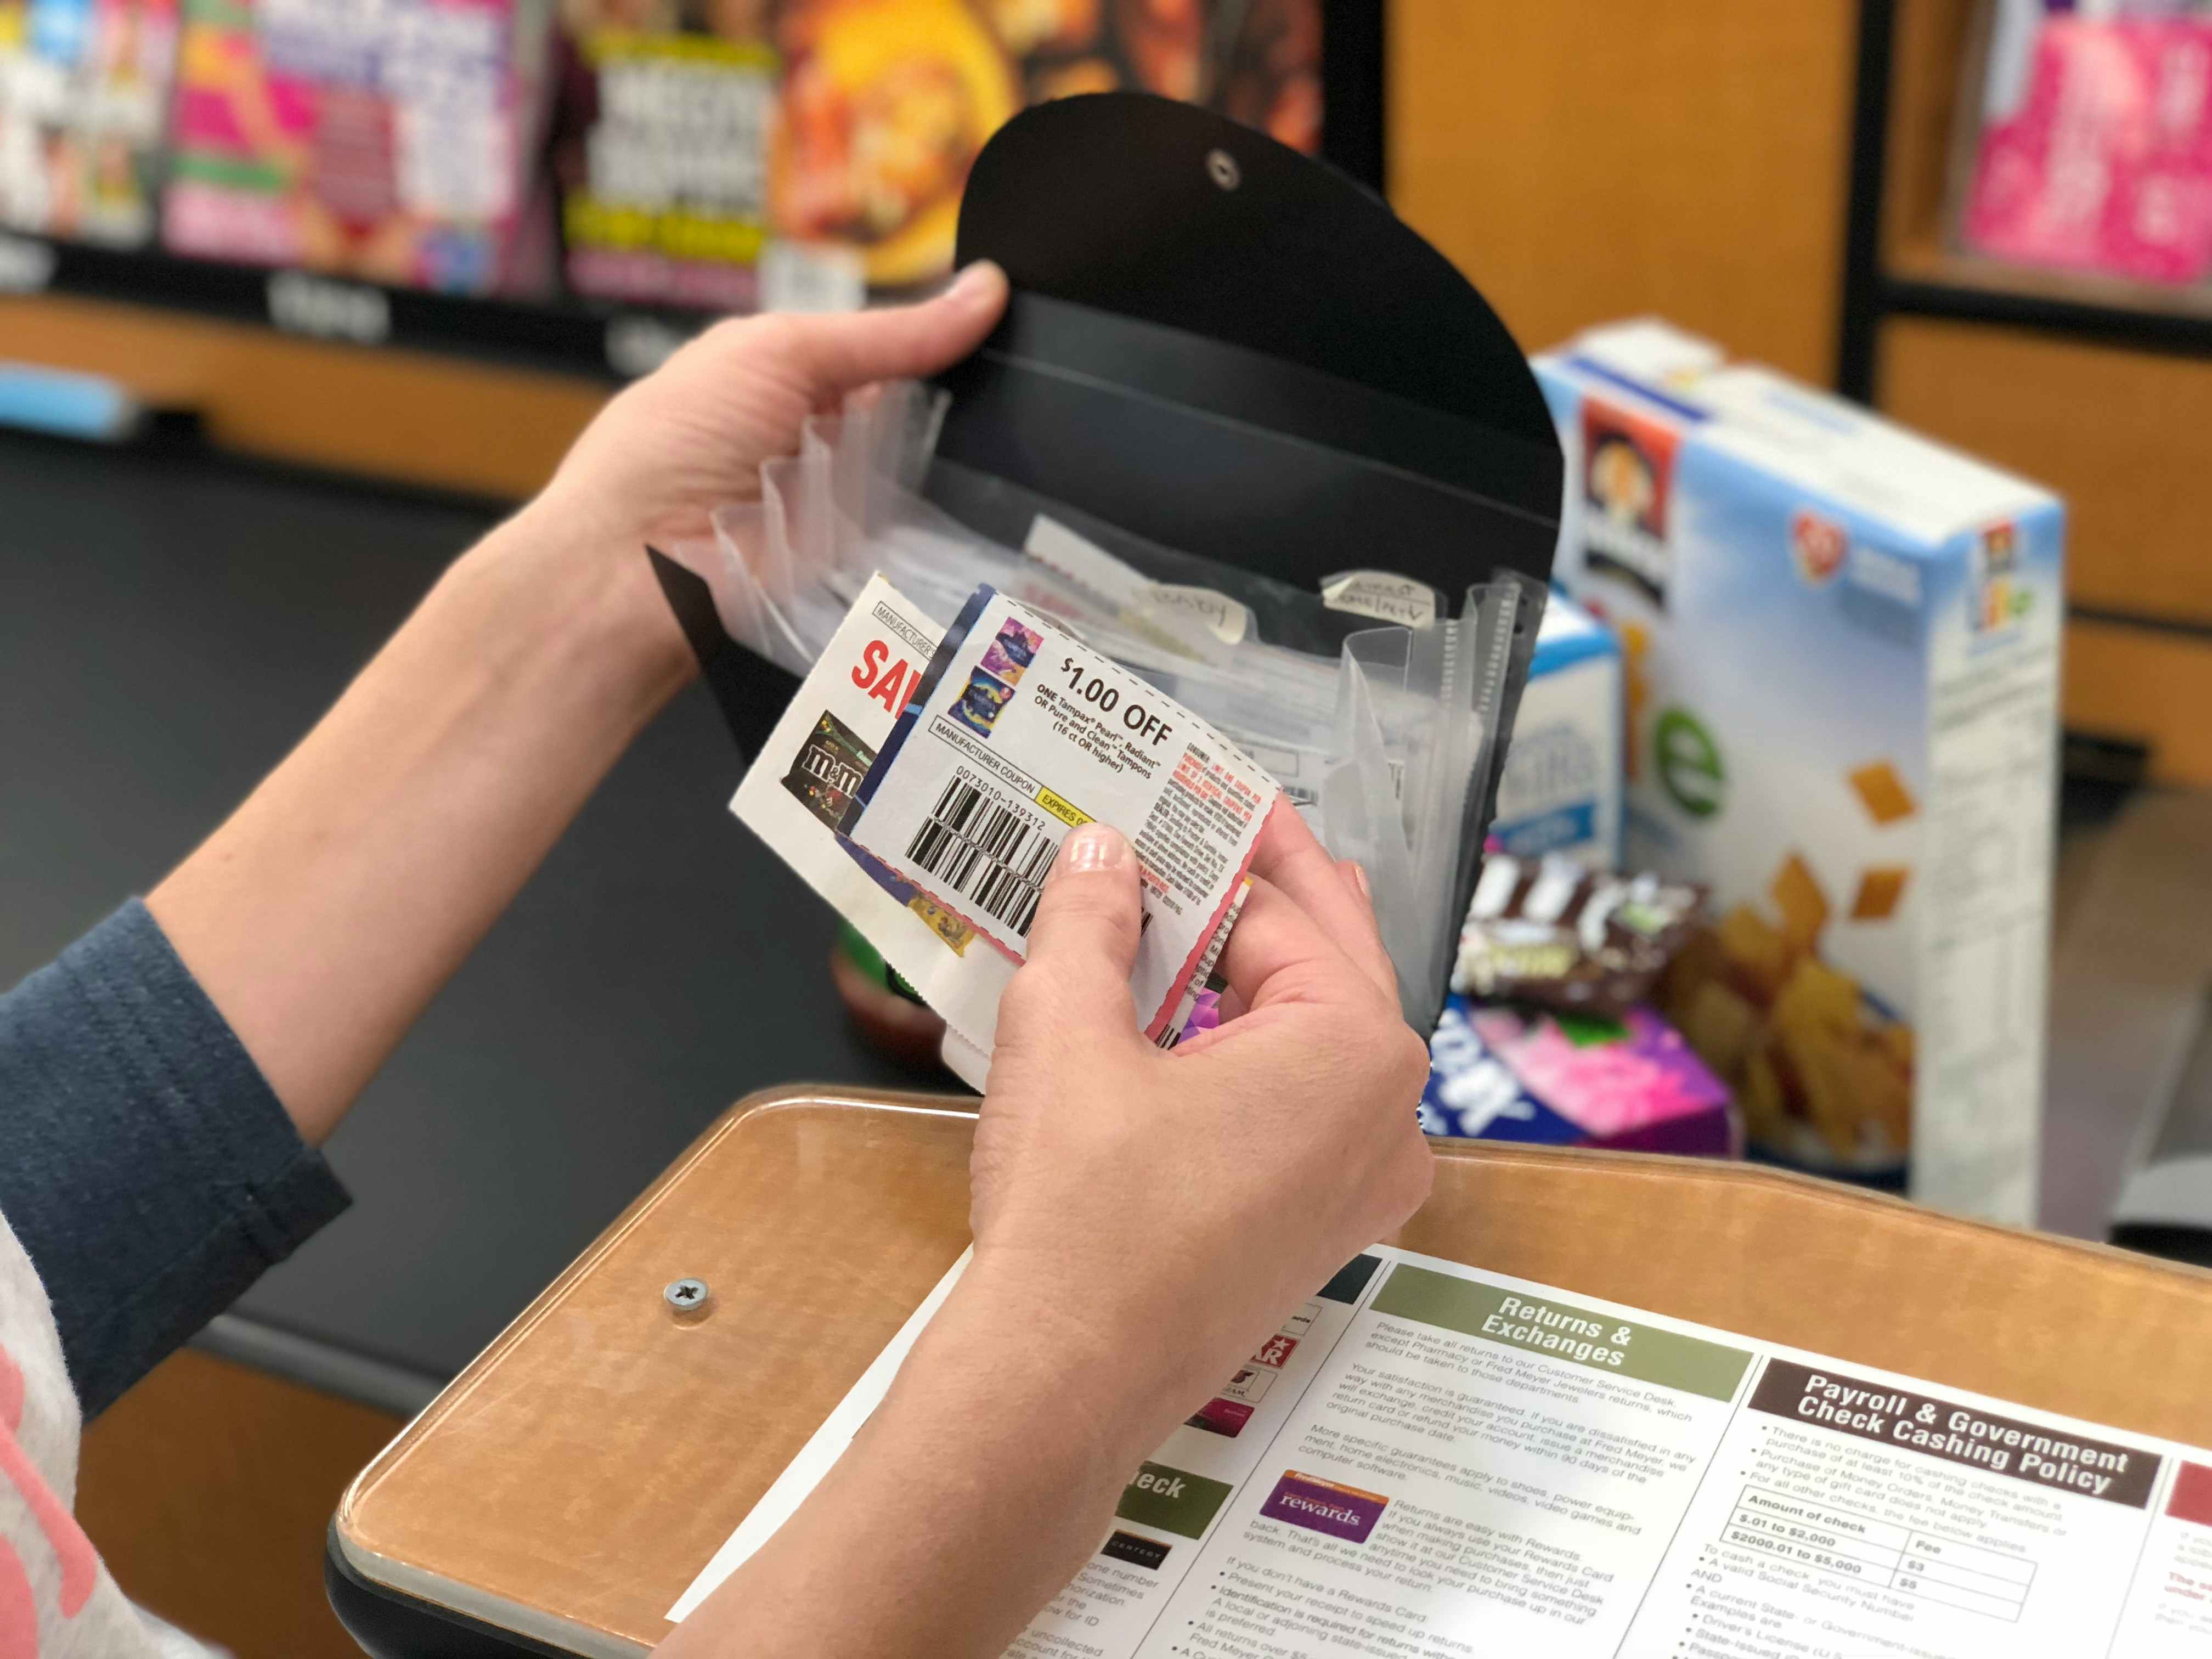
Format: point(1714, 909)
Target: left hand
point(690, 436)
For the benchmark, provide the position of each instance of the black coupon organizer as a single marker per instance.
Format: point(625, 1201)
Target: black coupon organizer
point(1217, 344)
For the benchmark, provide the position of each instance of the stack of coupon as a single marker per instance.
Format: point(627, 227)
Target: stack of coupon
point(1385, 733)
point(922, 783)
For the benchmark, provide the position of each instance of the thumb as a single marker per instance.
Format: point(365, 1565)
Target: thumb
point(841, 352)
point(1083, 942)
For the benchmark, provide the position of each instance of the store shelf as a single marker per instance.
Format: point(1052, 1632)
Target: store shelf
point(602, 341)
point(1929, 282)
point(1912, 58)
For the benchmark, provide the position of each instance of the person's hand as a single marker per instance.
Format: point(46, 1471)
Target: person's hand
point(687, 439)
point(1143, 1221)
point(1160, 1212)
point(326, 911)
point(690, 436)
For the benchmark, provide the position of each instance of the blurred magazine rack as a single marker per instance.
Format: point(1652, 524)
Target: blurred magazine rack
point(1973, 201)
point(573, 336)
point(400, 188)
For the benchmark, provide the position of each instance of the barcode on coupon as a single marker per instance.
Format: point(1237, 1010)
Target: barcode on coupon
point(979, 844)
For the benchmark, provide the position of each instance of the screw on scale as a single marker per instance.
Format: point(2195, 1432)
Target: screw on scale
point(1221, 168)
point(686, 1296)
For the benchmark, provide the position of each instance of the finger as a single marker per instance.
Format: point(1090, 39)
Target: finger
point(1372, 951)
point(1083, 941)
point(841, 352)
point(1278, 951)
point(1289, 856)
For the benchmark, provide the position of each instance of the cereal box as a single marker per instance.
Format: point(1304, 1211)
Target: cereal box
point(1840, 650)
point(1561, 791)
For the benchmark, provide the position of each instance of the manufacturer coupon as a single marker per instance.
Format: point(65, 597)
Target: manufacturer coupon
point(803, 784)
point(1018, 733)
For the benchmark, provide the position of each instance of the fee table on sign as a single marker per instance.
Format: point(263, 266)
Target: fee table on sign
point(1870, 1551)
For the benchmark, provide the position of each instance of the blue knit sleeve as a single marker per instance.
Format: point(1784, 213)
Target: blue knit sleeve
point(145, 1164)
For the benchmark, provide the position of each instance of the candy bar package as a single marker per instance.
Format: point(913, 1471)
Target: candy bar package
point(1841, 650)
point(1551, 933)
point(1629, 1084)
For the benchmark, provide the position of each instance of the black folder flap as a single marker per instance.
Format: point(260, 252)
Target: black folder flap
point(1230, 348)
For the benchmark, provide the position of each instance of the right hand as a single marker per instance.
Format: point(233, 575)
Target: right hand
point(1143, 1221)
point(1161, 1212)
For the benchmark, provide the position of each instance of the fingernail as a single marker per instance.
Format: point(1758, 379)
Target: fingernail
point(1359, 878)
point(972, 281)
point(1093, 847)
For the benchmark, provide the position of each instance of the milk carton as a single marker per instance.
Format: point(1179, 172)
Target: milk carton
point(1841, 649)
point(1561, 790)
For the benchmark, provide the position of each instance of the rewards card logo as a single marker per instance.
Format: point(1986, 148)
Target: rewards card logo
point(1323, 1506)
